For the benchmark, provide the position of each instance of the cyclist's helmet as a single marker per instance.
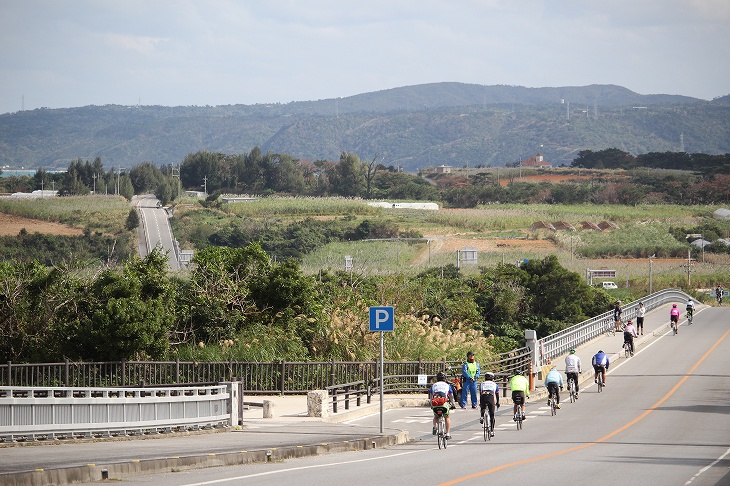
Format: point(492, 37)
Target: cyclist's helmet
point(572, 351)
point(488, 375)
point(674, 305)
point(630, 322)
point(440, 376)
point(600, 350)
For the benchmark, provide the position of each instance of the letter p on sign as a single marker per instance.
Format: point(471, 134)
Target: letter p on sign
point(382, 319)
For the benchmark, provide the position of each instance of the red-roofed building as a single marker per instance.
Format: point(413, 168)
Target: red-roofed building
point(536, 161)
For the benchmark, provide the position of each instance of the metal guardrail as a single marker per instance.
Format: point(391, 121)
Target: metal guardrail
point(560, 343)
point(31, 413)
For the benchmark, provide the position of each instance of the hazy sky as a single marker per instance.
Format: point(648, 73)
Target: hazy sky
point(58, 53)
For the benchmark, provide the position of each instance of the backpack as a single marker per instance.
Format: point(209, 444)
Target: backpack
point(438, 400)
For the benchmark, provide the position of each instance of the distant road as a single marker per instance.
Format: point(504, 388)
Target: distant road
point(157, 231)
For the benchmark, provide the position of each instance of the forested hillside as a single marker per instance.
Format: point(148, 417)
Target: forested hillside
point(411, 127)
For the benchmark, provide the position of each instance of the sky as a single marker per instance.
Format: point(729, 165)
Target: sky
point(64, 53)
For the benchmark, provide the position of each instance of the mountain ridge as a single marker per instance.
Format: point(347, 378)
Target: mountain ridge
point(412, 127)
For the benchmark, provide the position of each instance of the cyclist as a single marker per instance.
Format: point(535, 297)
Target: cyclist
point(440, 393)
point(718, 294)
point(629, 335)
point(617, 315)
point(553, 380)
point(520, 387)
point(690, 308)
point(488, 393)
point(674, 318)
point(600, 364)
point(572, 368)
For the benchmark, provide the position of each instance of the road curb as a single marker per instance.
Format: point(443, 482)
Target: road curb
point(120, 470)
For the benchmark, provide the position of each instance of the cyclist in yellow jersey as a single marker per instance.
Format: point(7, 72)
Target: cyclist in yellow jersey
point(520, 387)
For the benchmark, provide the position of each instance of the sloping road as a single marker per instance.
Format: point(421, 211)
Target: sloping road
point(156, 230)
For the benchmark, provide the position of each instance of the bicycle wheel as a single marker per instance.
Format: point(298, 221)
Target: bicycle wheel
point(441, 432)
point(600, 383)
point(571, 390)
point(487, 435)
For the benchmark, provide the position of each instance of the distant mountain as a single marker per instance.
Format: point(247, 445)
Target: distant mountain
point(414, 127)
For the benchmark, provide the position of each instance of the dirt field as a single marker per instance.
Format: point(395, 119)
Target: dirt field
point(11, 226)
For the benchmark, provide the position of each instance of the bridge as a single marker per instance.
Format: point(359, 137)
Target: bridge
point(663, 418)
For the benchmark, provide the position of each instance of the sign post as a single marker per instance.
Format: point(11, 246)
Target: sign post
point(382, 319)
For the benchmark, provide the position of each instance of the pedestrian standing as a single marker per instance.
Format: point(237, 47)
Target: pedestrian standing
point(640, 313)
point(470, 373)
point(617, 315)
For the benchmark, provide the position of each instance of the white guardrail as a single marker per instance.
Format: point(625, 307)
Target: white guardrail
point(560, 343)
point(32, 413)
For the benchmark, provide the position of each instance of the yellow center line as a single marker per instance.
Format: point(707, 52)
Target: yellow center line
point(602, 439)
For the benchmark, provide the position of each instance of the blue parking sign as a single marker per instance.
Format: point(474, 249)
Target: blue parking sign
point(382, 319)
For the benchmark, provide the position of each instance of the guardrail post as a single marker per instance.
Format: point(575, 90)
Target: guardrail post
point(177, 370)
point(283, 373)
point(66, 372)
point(124, 372)
point(332, 373)
point(10, 375)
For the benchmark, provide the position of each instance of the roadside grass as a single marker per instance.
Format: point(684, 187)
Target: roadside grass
point(106, 214)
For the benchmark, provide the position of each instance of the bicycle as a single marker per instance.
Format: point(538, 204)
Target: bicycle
point(611, 328)
point(553, 404)
point(628, 349)
point(675, 325)
point(487, 425)
point(518, 413)
point(600, 381)
point(690, 315)
point(441, 439)
point(571, 390)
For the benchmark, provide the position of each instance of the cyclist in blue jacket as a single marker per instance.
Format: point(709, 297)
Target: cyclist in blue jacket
point(553, 380)
point(600, 364)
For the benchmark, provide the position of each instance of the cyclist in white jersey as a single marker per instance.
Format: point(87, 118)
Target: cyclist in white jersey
point(572, 368)
point(441, 396)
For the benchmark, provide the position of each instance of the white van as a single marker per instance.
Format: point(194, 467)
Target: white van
point(609, 285)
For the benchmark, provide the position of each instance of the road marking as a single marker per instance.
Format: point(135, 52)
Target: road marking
point(602, 439)
point(708, 467)
point(315, 466)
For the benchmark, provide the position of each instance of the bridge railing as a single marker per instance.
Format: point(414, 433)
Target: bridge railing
point(558, 344)
point(30, 413)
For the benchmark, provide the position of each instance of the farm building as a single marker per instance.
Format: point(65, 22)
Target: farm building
point(542, 225)
point(564, 225)
point(536, 161)
point(587, 225)
point(607, 225)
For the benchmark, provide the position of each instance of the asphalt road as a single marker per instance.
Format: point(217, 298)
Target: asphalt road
point(157, 229)
point(663, 418)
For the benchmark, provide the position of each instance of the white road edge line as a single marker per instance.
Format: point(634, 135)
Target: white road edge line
point(268, 473)
point(708, 466)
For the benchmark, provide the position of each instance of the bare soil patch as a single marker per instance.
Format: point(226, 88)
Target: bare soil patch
point(11, 225)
